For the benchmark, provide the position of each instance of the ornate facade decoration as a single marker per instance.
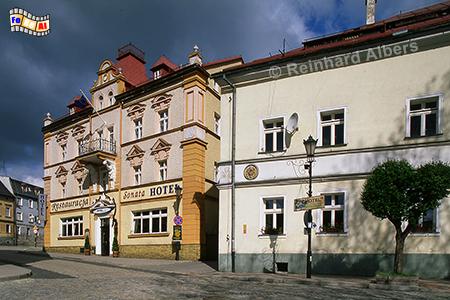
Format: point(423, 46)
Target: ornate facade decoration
point(160, 150)
point(78, 132)
point(136, 111)
point(61, 175)
point(251, 172)
point(78, 170)
point(135, 156)
point(161, 102)
point(61, 138)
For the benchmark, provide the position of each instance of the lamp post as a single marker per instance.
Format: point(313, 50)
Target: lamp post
point(310, 146)
point(177, 244)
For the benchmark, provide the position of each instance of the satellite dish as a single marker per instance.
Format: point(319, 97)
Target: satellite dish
point(292, 124)
point(291, 128)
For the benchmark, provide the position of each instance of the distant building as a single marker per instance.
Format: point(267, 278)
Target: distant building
point(7, 227)
point(29, 211)
point(377, 92)
point(114, 170)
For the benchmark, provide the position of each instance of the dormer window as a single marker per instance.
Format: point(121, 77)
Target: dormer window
point(156, 74)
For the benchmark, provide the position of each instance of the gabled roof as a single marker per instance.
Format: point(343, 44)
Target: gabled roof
point(223, 61)
point(163, 60)
point(4, 193)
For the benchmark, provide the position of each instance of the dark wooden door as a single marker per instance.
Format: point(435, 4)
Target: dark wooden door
point(105, 236)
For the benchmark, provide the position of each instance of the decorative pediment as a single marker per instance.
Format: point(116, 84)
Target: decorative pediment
point(61, 174)
point(78, 170)
point(135, 156)
point(78, 132)
point(61, 138)
point(136, 111)
point(161, 102)
point(105, 65)
point(160, 150)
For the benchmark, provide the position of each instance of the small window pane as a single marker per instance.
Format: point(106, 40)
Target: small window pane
point(280, 124)
point(326, 219)
point(155, 225)
point(164, 224)
point(146, 213)
point(269, 142)
point(268, 125)
point(326, 117)
point(432, 104)
point(280, 223)
point(327, 199)
point(64, 230)
point(145, 225)
point(69, 230)
point(415, 126)
point(269, 221)
point(326, 135)
point(339, 116)
point(164, 211)
point(339, 199)
point(280, 203)
point(339, 134)
point(415, 106)
point(269, 204)
point(430, 124)
point(280, 141)
point(339, 220)
point(137, 226)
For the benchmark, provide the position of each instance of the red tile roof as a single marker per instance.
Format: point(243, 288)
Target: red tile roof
point(223, 61)
point(163, 60)
point(415, 20)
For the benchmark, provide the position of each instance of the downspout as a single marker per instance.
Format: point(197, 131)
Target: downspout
point(233, 174)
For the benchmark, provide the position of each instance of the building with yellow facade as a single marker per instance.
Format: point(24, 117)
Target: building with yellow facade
point(113, 169)
point(7, 218)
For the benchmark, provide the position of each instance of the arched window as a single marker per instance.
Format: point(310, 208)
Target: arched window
point(100, 102)
point(111, 98)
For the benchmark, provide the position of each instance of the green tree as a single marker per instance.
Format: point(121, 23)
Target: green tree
point(398, 192)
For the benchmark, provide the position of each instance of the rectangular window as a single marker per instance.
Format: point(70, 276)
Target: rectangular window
point(111, 134)
point(63, 152)
point(8, 212)
point(79, 146)
point(273, 219)
point(273, 135)
point(80, 187)
point(163, 170)
point(19, 216)
point(72, 226)
point(423, 116)
point(427, 222)
point(332, 127)
point(30, 203)
point(19, 230)
point(8, 228)
point(156, 74)
point(63, 190)
point(217, 123)
point(150, 221)
point(137, 175)
point(28, 231)
point(30, 218)
point(164, 120)
point(138, 128)
point(331, 217)
point(20, 201)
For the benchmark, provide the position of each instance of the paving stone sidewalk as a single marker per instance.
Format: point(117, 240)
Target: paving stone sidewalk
point(13, 272)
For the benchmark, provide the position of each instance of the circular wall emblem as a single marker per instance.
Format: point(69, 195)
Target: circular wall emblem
point(251, 172)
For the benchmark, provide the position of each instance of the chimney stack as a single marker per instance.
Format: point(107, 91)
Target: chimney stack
point(370, 11)
point(195, 57)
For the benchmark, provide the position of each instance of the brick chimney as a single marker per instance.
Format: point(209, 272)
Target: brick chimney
point(131, 62)
point(370, 11)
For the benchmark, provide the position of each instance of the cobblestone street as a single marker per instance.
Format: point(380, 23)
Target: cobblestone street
point(74, 277)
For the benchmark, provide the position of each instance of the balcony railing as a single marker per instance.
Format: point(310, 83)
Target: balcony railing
point(102, 145)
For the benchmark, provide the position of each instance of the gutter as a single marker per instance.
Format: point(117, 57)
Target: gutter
point(233, 175)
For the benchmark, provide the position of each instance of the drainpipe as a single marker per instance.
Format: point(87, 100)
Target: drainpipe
point(233, 174)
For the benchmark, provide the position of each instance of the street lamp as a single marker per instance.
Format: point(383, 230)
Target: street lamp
point(310, 146)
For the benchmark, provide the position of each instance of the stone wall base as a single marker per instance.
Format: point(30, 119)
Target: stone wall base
point(423, 265)
point(8, 241)
point(74, 250)
point(165, 251)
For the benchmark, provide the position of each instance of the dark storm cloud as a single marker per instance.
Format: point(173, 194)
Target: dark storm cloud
point(40, 75)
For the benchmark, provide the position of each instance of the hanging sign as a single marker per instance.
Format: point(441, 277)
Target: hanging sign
point(314, 202)
point(177, 233)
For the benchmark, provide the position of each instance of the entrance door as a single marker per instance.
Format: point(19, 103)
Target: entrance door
point(104, 229)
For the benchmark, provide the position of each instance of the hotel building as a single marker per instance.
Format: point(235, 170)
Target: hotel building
point(367, 94)
point(114, 168)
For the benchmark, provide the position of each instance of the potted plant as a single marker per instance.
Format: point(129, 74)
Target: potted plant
point(115, 247)
point(87, 246)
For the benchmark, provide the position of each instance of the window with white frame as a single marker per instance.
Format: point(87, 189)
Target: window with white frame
point(332, 216)
point(332, 127)
point(138, 128)
point(156, 74)
point(19, 230)
point(423, 116)
point(111, 134)
point(30, 203)
point(20, 201)
point(163, 170)
point(19, 216)
point(30, 218)
point(217, 123)
point(150, 221)
point(72, 226)
point(8, 228)
point(111, 98)
point(164, 120)
point(273, 137)
point(137, 175)
point(63, 152)
point(273, 215)
point(427, 222)
point(8, 211)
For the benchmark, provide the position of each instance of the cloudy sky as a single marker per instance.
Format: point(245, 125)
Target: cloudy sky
point(40, 75)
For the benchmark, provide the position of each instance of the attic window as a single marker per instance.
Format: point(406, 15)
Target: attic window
point(156, 74)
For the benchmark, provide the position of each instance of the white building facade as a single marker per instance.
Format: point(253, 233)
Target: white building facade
point(370, 94)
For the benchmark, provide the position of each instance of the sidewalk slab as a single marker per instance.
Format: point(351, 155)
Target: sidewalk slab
point(12, 272)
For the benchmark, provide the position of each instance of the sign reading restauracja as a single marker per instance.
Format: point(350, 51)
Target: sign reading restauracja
point(156, 191)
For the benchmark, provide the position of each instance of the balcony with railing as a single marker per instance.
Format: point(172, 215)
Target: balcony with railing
point(96, 151)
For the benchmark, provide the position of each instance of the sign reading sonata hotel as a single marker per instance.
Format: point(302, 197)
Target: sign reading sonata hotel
point(151, 192)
